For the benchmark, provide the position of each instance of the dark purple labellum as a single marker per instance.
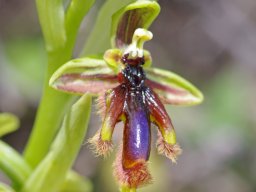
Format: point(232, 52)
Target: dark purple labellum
point(137, 130)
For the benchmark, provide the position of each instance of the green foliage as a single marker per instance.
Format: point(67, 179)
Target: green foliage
point(5, 188)
point(51, 149)
point(59, 33)
point(54, 156)
point(51, 172)
point(8, 123)
point(13, 165)
point(75, 182)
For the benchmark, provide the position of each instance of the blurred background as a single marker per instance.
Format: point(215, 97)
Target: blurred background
point(210, 43)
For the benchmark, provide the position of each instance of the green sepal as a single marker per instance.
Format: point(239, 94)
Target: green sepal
point(50, 174)
point(172, 88)
point(136, 15)
point(98, 39)
point(84, 75)
point(8, 123)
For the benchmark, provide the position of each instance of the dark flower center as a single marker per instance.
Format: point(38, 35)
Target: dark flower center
point(133, 75)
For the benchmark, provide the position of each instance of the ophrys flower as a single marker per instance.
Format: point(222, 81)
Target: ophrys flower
point(130, 91)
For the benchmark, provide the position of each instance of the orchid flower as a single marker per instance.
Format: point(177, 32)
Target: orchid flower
point(129, 90)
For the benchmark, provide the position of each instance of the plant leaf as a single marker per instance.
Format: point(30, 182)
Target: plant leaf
point(84, 75)
point(8, 123)
point(75, 13)
point(13, 165)
point(172, 88)
point(52, 171)
point(136, 15)
point(52, 19)
point(77, 183)
point(5, 188)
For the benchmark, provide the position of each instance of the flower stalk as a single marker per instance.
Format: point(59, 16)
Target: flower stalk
point(60, 30)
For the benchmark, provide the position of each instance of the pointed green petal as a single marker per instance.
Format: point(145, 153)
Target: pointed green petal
point(98, 40)
point(136, 15)
point(84, 75)
point(8, 123)
point(172, 88)
point(113, 58)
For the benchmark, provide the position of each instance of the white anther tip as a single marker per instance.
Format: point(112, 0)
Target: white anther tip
point(143, 33)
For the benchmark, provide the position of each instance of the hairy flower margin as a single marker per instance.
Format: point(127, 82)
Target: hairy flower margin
point(129, 90)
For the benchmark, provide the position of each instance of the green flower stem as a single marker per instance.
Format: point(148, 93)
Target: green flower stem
point(127, 189)
point(60, 34)
point(13, 165)
point(74, 15)
point(50, 113)
point(52, 19)
point(51, 172)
